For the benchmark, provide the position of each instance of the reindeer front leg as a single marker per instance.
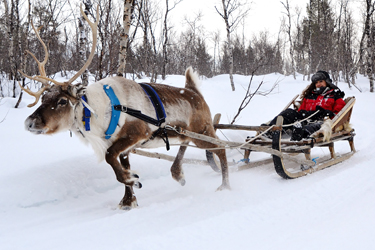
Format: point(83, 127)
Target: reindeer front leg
point(123, 172)
point(129, 201)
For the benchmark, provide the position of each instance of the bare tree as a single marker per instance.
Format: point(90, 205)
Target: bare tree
point(147, 52)
point(289, 32)
point(232, 12)
point(83, 41)
point(24, 58)
point(216, 39)
point(108, 42)
point(343, 53)
point(12, 31)
point(249, 94)
point(310, 30)
point(128, 12)
point(165, 35)
point(370, 7)
point(191, 38)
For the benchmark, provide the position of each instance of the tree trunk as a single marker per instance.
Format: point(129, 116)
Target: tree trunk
point(369, 55)
point(165, 32)
point(128, 11)
point(229, 43)
point(10, 31)
point(310, 44)
point(289, 32)
point(82, 47)
point(24, 58)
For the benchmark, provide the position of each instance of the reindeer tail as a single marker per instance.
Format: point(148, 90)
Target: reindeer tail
point(192, 80)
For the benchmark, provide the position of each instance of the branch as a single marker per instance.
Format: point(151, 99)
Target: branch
point(248, 96)
point(5, 117)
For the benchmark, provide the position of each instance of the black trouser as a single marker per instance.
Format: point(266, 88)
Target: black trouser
point(291, 116)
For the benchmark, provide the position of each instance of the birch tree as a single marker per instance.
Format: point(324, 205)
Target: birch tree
point(83, 41)
point(127, 18)
point(11, 30)
point(24, 58)
point(369, 48)
point(289, 33)
point(232, 12)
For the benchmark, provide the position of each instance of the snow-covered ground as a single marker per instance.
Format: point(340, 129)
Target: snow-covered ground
point(55, 195)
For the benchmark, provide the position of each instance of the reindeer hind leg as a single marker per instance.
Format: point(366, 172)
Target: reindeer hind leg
point(222, 157)
point(176, 169)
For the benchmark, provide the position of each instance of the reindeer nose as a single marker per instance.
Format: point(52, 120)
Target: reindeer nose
point(29, 123)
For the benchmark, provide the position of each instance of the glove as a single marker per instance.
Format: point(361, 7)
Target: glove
point(324, 112)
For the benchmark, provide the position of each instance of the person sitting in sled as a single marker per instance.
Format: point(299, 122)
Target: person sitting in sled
point(321, 96)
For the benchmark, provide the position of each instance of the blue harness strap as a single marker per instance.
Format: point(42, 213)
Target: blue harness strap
point(117, 108)
point(156, 102)
point(115, 113)
point(86, 115)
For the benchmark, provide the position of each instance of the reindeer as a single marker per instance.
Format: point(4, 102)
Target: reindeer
point(63, 107)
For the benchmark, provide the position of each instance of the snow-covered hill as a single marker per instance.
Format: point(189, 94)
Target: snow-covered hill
point(55, 195)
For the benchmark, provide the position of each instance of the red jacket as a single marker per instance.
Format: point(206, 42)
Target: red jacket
point(331, 99)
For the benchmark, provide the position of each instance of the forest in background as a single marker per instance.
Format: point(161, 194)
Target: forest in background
point(325, 38)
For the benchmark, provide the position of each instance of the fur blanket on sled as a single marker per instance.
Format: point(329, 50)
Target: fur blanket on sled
point(325, 130)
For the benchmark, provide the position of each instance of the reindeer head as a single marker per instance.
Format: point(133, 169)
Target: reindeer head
point(56, 113)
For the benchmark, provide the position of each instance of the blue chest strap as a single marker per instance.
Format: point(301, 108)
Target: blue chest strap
point(156, 102)
point(86, 115)
point(115, 113)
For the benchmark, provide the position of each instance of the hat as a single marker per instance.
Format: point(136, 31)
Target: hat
point(321, 75)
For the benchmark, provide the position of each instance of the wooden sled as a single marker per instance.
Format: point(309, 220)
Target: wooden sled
point(284, 150)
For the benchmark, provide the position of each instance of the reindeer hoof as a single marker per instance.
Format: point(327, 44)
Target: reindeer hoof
point(127, 207)
point(137, 184)
point(128, 204)
point(133, 179)
point(182, 182)
point(223, 187)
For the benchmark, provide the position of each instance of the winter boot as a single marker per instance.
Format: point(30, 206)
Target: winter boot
point(297, 132)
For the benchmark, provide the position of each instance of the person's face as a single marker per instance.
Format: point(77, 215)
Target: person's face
point(320, 84)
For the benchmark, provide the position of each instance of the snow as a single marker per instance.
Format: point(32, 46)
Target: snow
point(55, 195)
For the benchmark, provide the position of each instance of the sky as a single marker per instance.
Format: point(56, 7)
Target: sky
point(263, 15)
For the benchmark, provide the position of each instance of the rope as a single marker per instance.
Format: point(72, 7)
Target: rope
point(228, 140)
point(236, 147)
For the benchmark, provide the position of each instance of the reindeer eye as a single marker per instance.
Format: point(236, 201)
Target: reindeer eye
point(62, 102)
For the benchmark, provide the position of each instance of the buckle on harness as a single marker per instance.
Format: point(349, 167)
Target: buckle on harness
point(121, 108)
point(162, 133)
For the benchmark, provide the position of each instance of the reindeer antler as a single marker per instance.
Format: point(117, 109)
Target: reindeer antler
point(94, 28)
point(41, 65)
point(35, 94)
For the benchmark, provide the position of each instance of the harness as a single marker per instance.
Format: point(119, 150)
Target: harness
point(86, 114)
point(117, 108)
